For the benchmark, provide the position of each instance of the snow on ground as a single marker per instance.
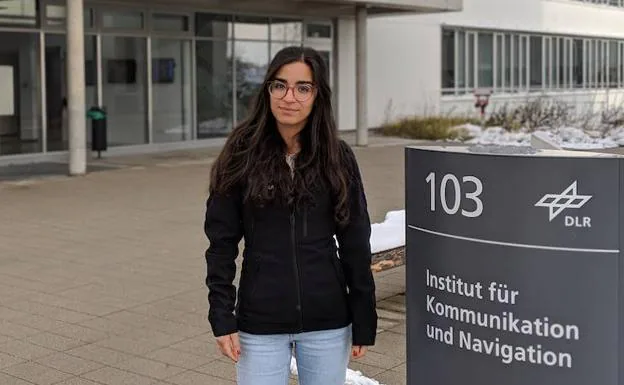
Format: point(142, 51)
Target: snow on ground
point(567, 137)
point(389, 234)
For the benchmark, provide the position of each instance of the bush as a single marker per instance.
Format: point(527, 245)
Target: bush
point(534, 114)
point(427, 128)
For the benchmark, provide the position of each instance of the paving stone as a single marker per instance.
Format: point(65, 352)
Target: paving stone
point(54, 341)
point(6, 379)
point(69, 364)
point(197, 378)
point(25, 350)
point(179, 358)
point(113, 376)
point(77, 381)
point(7, 360)
point(150, 368)
point(36, 373)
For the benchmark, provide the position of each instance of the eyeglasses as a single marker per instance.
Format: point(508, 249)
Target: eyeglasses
point(301, 92)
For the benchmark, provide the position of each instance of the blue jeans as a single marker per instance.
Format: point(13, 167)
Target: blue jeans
point(322, 357)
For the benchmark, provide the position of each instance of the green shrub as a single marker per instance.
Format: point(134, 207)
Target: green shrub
point(427, 128)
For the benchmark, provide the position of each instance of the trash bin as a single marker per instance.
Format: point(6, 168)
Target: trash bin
point(98, 129)
point(513, 266)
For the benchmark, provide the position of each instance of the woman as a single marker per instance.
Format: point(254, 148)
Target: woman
point(286, 184)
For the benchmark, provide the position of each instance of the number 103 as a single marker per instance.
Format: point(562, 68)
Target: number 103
point(472, 183)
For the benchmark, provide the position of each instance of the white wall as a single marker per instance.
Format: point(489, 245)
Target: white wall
point(568, 17)
point(404, 52)
point(400, 80)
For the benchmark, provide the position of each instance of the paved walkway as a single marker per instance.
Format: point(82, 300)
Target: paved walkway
point(102, 276)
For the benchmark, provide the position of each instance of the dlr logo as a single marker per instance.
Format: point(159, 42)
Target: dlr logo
point(577, 221)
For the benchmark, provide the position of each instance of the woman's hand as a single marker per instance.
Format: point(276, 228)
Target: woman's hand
point(358, 351)
point(230, 346)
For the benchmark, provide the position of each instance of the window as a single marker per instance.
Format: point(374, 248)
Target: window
point(577, 63)
point(124, 20)
point(589, 66)
point(562, 64)
point(519, 55)
point(56, 16)
point(613, 64)
point(621, 64)
point(213, 25)
point(508, 55)
point(537, 54)
point(213, 60)
point(171, 90)
point(448, 59)
point(170, 23)
point(500, 60)
point(286, 30)
point(612, 3)
point(513, 62)
point(251, 28)
point(486, 60)
point(19, 13)
point(20, 82)
point(461, 63)
point(470, 67)
point(319, 31)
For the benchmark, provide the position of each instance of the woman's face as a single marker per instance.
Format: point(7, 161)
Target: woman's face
point(292, 94)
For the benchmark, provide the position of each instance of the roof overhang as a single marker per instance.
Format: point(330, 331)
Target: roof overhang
point(400, 6)
point(314, 8)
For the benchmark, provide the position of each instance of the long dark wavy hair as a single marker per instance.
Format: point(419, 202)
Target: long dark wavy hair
point(254, 154)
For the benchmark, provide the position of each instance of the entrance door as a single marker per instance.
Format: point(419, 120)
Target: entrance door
point(56, 88)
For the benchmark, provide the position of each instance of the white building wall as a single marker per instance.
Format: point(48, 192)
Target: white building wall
point(404, 52)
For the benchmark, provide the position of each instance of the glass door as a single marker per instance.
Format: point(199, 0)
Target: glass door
point(56, 88)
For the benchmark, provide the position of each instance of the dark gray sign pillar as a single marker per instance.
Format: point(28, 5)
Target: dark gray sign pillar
point(514, 273)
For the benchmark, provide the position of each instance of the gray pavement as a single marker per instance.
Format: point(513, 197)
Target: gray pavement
point(101, 276)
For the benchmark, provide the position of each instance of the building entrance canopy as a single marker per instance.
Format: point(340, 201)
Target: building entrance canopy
point(320, 8)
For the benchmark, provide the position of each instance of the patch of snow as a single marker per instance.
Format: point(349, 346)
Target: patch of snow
point(498, 135)
point(353, 377)
point(470, 130)
point(570, 138)
point(618, 136)
point(389, 234)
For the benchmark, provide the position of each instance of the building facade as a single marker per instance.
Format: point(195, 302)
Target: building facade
point(169, 74)
point(572, 50)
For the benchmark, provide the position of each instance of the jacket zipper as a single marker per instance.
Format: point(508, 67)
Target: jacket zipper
point(296, 267)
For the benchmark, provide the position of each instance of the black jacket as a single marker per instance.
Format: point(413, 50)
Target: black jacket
point(294, 277)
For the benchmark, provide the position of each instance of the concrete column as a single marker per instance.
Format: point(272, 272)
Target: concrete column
point(76, 88)
point(361, 76)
